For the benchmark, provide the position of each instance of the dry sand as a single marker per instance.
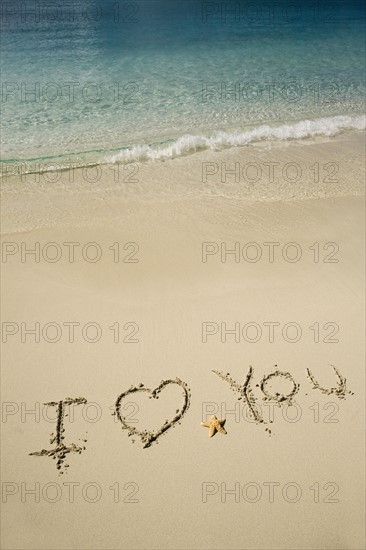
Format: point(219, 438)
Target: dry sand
point(294, 484)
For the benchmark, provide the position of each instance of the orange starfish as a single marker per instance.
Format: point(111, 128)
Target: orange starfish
point(215, 425)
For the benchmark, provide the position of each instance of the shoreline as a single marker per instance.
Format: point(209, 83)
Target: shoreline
point(215, 140)
point(243, 176)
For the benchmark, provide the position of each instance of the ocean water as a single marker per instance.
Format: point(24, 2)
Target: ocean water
point(85, 81)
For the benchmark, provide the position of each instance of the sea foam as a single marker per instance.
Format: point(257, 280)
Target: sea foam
point(188, 144)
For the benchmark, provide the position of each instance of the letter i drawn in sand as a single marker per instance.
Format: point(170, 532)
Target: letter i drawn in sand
point(61, 450)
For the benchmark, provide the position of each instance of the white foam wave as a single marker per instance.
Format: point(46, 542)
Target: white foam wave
point(187, 144)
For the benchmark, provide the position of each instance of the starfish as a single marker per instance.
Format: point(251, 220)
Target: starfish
point(215, 425)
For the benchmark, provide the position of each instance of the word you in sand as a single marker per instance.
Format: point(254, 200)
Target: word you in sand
point(245, 393)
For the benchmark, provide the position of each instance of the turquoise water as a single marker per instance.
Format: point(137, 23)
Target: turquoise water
point(113, 81)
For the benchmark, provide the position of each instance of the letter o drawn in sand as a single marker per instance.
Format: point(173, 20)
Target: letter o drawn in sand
point(278, 397)
point(146, 436)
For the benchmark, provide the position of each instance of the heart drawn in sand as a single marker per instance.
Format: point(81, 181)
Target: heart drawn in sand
point(146, 436)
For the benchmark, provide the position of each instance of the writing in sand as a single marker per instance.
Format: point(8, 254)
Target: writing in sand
point(244, 392)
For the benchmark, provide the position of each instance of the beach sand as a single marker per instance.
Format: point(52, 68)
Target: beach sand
point(296, 482)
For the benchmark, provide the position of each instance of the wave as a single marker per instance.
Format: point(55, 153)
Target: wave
point(187, 144)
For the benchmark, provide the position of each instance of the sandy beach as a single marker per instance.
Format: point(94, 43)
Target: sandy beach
point(177, 269)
